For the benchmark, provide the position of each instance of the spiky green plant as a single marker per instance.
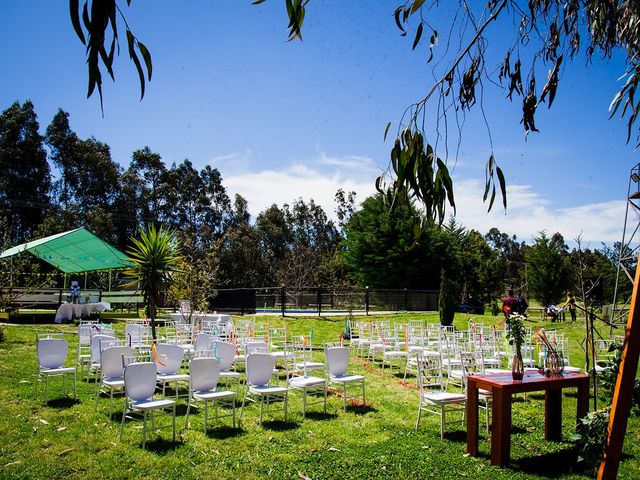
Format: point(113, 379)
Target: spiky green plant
point(154, 258)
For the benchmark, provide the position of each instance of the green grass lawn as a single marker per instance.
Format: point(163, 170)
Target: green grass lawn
point(67, 439)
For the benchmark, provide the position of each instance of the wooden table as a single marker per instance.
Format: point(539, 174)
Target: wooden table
point(503, 387)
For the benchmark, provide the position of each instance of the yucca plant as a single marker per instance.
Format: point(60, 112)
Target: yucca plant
point(154, 258)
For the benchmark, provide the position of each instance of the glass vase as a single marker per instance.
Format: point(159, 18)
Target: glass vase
point(517, 365)
point(554, 363)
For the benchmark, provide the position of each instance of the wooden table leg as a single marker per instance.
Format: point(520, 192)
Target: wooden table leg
point(583, 401)
point(501, 427)
point(553, 414)
point(472, 418)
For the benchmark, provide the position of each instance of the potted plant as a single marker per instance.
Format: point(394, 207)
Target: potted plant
point(153, 257)
point(516, 335)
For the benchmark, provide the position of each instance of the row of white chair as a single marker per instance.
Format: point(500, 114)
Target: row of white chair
point(122, 369)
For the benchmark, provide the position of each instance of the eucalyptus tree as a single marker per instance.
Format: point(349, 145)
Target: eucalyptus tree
point(149, 169)
point(25, 181)
point(62, 142)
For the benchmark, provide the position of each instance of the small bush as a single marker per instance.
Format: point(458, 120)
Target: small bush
point(591, 438)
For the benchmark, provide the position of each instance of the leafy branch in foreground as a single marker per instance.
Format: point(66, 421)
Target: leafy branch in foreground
point(98, 17)
point(545, 35)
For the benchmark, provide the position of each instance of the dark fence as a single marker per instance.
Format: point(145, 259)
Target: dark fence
point(285, 300)
point(51, 298)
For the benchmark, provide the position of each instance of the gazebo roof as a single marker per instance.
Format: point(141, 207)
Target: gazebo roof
point(74, 251)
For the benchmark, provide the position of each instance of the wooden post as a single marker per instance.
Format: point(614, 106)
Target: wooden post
point(622, 396)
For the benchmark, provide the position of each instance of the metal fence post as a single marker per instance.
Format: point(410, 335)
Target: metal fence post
point(405, 300)
point(319, 300)
point(282, 299)
point(242, 301)
point(366, 301)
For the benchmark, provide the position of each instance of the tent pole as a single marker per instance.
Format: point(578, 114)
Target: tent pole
point(85, 280)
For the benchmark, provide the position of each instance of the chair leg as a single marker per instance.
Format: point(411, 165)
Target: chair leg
point(124, 412)
point(325, 399)
point(144, 430)
point(419, 413)
point(286, 405)
point(96, 403)
point(261, 403)
point(206, 416)
point(344, 396)
point(174, 423)
point(186, 417)
point(304, 403)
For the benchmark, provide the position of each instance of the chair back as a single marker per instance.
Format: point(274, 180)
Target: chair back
point(96, 341)
point(52, 352)
point(204, 373)
point(260, 368)
point(256, 347)
point(84, 334)
point(135, 334)
point(140, 381)
point(111, 365)
point(225, 352)
point(430, 372)
point(337, 360)
point(171, 356)
point(203, 342)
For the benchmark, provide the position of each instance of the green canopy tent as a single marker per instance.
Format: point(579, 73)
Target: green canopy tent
point(74, 251)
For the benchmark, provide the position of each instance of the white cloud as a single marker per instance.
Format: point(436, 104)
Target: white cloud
point(235, 162)
point(529, 213)
point(311, 180)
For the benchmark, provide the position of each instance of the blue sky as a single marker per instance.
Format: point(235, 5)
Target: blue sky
point(283, 120)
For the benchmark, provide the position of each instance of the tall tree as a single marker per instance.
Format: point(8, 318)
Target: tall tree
point(274, 238)
point(550, 271)
point(63, 144)
point(240, 264)
point(149, 168)
point(25, 181)
point(381, 248)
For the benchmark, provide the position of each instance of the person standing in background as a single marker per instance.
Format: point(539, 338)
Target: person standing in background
point(570, 304)
point(510, 304)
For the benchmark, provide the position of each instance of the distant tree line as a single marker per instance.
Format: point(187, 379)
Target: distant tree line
point(56, 181)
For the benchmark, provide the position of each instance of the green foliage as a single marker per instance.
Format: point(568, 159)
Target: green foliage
point(98, 17)
point(549, 269)
point(447, 298)
point(22, 160)
point(591, 438)
point(609, 376)
point(381, 249)
point(421, 174)
point(154, 259)
point(516, 333)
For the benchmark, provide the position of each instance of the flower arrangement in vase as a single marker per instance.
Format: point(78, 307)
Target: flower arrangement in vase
point(516, 335)
point(553, 358)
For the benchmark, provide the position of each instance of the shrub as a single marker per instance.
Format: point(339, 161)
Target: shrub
point(591, 438)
